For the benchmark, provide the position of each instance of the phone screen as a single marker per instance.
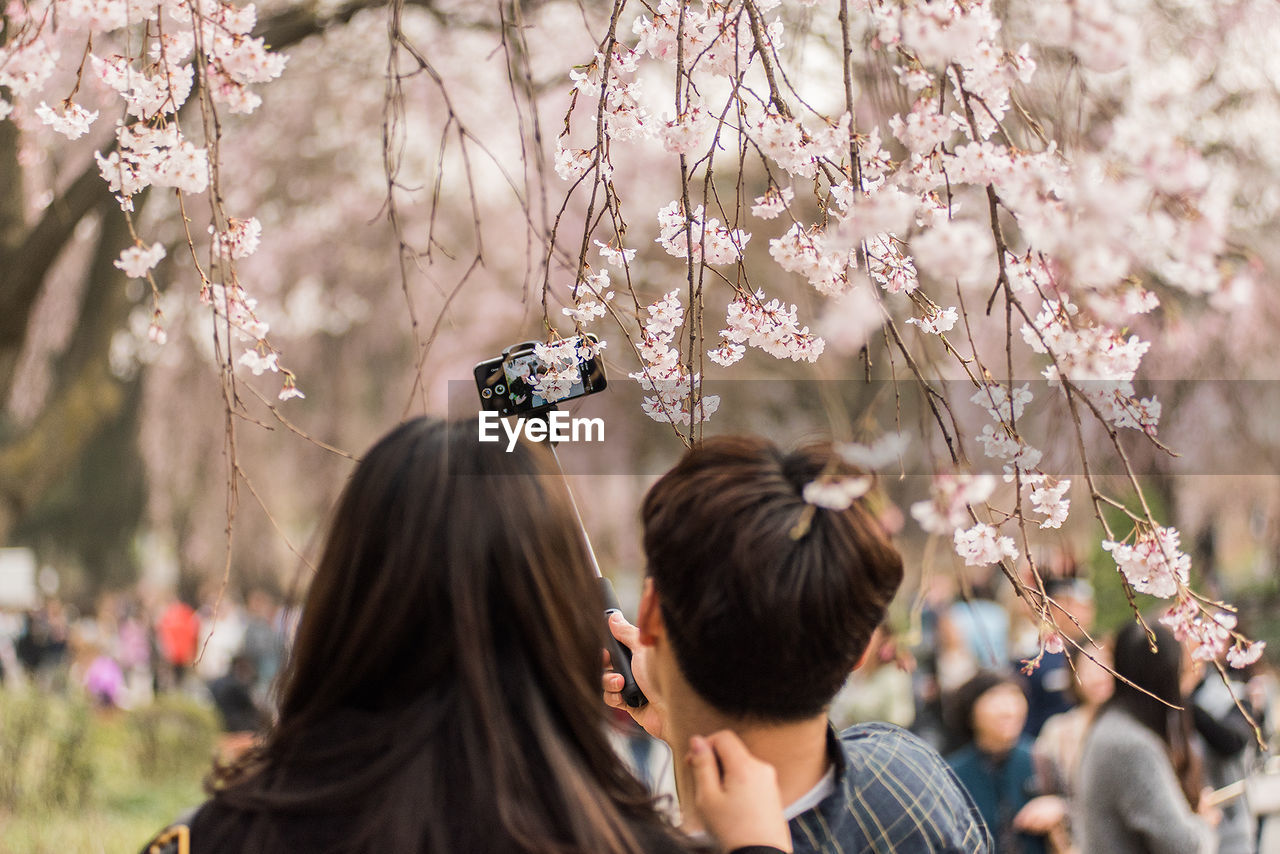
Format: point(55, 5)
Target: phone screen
point(522, 372)
point(506, 385)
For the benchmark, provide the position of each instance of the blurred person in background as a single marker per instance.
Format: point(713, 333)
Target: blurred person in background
point(996, 765)
point(1049, 687)
point(42, 645)
point(926, 688)
point(1264, 694)
point(980, 623)
point(241, 716)
point(1140, 787)
point(264, 640)
point(879, 689)
point(221, 636)
point(442, 693)
point(1227, 745)
point(102, 678)
point(1056, 752)
point(133, 650)
point(177, 636)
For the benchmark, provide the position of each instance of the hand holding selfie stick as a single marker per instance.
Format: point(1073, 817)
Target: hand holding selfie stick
point(619, 655)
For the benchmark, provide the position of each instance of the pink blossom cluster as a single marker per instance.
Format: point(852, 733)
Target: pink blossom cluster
point(797, 149)
point(805, 251)
point(717, 38)
point(713, 243)
point(951, 497)
point(1099, 360)
point(1003, 404)
point(1207, 633)
point(150, 156)
point(1001, 443)
point(615, 257)
point(72, 122)
point(1154, 564)
point(982, 545)
point(839, 492)
point(238, 311)
point(239, 239)
point(771, 327)
point(890, 267)
point(572, 163)
point(137, 261)
point(772, 203)
point(688, 133)
point(661, 371)
point(1049, 499)
point(561, 361)
point(590, 298)
point(937, 321)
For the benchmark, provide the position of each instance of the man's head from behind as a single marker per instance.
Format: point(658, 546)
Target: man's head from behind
point(766, 617)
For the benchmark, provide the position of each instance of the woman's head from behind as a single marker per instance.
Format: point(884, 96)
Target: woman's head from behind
point(1148, 684)
point(443, 691)
point(449, 564)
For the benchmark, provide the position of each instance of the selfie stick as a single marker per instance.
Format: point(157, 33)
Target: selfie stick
point(619, 655)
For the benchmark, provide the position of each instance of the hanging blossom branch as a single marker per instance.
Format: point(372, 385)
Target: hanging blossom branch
point(962, 190)
point(151, 56)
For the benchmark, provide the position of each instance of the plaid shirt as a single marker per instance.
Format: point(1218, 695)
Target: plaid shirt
point(893, 795)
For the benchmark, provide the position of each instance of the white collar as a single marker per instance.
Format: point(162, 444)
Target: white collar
point(814, 796)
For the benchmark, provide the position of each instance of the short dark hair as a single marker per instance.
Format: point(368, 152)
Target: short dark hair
point(764, 624)
point(961, 703)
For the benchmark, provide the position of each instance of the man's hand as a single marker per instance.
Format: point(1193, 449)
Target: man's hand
point(652, 715)
point(736, 794)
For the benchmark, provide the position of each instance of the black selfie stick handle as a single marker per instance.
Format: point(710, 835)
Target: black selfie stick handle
point(619, 654)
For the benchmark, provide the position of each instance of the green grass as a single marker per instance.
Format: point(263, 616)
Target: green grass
point(75, 780)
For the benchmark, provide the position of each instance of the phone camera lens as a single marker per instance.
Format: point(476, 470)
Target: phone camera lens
point(499, 389)
point(486, 394)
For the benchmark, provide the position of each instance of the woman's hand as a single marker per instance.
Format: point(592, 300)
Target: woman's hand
point(1039, 816)
point(1208, 809)
point(652, 715)
point(736, 794)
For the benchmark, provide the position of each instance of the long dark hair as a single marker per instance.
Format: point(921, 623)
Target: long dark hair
point(443, 693)
point(1157, 671)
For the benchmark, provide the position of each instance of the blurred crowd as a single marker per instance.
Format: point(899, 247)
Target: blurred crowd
point(970, 677)
point(223, 649)
point(1013, 720)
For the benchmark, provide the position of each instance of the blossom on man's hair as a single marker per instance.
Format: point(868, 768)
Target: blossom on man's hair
point(836, 493)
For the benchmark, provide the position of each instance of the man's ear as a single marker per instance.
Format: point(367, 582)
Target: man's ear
point(649, 620)
point(862, 659)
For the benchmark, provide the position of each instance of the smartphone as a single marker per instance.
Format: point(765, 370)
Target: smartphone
point(506, 382)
